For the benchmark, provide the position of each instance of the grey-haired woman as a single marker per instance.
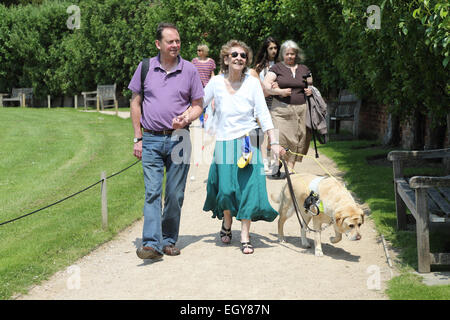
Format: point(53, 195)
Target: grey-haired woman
point(289, 103)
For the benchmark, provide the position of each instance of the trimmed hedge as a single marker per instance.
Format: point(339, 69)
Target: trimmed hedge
point(404, 64)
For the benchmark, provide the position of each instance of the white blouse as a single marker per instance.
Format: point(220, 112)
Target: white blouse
point(236, 113)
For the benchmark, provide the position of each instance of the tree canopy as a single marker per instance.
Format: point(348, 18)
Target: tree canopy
point(402, 64)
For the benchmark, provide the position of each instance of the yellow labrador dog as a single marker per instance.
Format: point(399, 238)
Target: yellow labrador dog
point(339, 208)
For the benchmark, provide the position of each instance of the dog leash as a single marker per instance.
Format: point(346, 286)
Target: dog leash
point(312, 195)
point(317, 161)
point(294, 199)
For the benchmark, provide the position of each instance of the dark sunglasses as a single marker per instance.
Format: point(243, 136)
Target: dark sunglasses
point(199, 50)
point(235, 54)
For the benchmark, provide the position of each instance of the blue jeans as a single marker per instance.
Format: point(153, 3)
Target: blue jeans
point(173, 153)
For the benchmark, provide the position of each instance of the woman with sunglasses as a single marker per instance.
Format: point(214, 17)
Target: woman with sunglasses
point(289, 102)
point(205, 67)
point(232, 190)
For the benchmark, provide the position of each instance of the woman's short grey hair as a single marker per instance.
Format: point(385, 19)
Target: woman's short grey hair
point(290, 44)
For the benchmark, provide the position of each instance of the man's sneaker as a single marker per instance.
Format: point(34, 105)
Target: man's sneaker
point(148, 253)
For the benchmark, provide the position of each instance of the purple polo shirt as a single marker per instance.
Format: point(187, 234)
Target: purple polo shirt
point(166, 96)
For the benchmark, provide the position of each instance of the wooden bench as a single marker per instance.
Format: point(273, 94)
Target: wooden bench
point(427, 198)
point(346, 108)
point(20, 95)
point(104, 97)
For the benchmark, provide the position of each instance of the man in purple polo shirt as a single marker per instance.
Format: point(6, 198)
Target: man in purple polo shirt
point(172, 85)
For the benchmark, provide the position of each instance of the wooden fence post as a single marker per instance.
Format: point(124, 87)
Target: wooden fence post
point(48, 102)
point(104, 202)
point(76, 101)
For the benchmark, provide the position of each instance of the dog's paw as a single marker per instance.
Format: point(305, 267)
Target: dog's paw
point(318, 253)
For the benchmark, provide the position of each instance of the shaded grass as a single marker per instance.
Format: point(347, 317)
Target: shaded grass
point(46, 155)
point(374, 186)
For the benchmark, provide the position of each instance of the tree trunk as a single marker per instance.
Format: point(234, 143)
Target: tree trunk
point(392, 135)
point(411, 133)
point(419, 131)
point(446, 145)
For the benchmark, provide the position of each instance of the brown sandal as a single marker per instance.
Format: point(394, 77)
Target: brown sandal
point(247, 245)
point(224, 232)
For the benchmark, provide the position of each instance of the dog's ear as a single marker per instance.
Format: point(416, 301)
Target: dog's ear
point(339, 216)
point(339, 220)
point(365, 210)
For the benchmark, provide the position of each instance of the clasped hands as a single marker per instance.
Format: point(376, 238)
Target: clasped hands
point(288, 91)
point(182, 120)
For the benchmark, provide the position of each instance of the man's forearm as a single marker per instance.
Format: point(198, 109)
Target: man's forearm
point(195, 112)
point(135, 112)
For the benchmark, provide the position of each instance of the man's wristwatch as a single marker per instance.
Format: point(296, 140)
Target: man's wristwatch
point(136, 140)
point(274, 143)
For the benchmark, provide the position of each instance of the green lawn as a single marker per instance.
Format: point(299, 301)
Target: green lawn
point(373, 184)
point(46, 155)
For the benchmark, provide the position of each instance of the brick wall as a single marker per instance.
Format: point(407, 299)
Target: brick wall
point(373, 120)
point(374, 124)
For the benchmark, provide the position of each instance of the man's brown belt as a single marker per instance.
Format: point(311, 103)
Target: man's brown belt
point(160, 133)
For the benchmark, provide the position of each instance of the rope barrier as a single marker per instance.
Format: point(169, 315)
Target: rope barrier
point(68, 197)
point(119, 172)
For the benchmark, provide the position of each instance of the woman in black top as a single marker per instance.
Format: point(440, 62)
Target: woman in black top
point(289, 104)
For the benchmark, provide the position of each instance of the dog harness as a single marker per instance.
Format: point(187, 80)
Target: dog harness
point(313, 200)
point(314, 184)
point(301, 221)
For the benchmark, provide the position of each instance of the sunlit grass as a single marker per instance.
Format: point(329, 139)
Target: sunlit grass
point(46, 155)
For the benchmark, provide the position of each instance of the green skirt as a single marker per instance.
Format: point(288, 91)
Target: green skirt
point(242, 191)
